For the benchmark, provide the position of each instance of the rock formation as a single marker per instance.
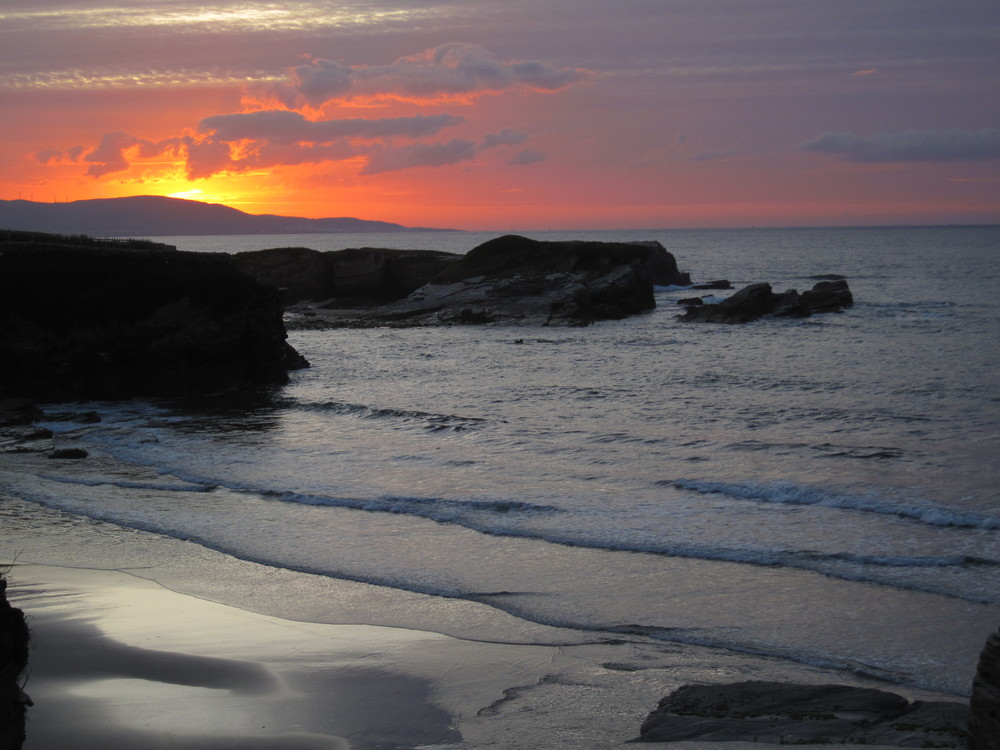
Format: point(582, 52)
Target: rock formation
point(757, 300)
point(13, 660)
point(787, 714)
point(81, 323)
point(346, 278)
point(984, 719)
point(516, 280)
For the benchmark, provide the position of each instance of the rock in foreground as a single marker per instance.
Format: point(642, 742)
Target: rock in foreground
point(516, 280)
point(984, 722)
point(781, 713)
point(13, 661)
point(82, 323)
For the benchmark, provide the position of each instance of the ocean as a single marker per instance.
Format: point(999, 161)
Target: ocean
point(815, 494)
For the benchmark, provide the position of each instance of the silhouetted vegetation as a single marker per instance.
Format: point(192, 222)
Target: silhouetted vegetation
point(22, 238)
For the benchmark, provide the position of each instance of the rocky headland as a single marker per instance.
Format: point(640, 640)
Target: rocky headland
point(85, 320)
point(508, 280)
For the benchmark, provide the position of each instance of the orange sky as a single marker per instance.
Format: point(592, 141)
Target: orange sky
point(544, 115)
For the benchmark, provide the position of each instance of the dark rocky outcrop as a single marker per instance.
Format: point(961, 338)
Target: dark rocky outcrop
point(984, 719)
point(782, 713)
point(346, 278)
point(13, 661)
point(80, 323)
point(757, 300)
point(516, 280)
point(16, 410)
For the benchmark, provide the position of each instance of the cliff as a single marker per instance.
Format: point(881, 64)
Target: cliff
point(85, 322)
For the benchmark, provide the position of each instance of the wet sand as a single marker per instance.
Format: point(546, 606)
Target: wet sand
point(118, 661)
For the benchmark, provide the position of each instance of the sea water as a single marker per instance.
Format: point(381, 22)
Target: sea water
point(818, 491)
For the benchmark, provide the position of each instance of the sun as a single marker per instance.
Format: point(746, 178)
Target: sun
point(194, 194)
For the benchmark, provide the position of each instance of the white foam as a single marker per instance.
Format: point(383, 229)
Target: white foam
point(796, 494)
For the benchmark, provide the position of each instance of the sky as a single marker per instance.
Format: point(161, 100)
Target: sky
point(512, 114)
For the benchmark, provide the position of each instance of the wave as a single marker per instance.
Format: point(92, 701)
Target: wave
point(429, 420)
point(435, 509)
point(507, 518)
point(125, 485)
point(789, 493)
point(518, 519)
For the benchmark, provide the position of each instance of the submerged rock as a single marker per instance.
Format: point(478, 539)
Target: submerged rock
point(84, 323)
point(69, 453)
point(782, 713)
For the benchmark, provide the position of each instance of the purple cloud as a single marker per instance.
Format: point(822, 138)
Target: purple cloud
point(450, 70)
point(526, 157)
point(282, 126)
point(910, 145)
point(420, 155)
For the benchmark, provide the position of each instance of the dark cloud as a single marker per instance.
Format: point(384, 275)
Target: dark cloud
point(910, 145)
point(451, 70)
point(420, 155)
point(437, 154)
point(109, 156)
point(282, 126)
point(59, 156)
point(526, 157)
point(505, 137)
point(112, 154)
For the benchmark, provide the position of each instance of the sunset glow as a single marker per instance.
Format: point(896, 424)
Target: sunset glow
point(476, 115)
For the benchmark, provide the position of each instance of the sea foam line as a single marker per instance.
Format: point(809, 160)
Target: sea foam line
point(510, 518)
point(788, 493)
point(362, 411)
point(108, 482)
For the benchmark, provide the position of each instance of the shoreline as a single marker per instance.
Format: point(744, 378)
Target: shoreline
point(120, 661)
point(204, 642)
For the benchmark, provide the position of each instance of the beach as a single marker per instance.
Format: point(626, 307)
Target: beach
point(131, 648)
point(526, 536)
point(119, 661)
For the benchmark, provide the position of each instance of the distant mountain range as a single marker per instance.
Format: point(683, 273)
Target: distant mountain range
point(157, 216)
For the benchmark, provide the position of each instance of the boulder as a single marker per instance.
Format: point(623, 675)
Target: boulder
point(85, 323)
point(353, 277)
point(788, 714)
point(15, 410)
point(984, 718)
point(69, 453)
point(827, 296)
point(517, 280)
point(757, 300)
point(748, 304)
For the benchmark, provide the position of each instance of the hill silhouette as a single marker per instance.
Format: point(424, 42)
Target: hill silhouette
point(151, 215)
